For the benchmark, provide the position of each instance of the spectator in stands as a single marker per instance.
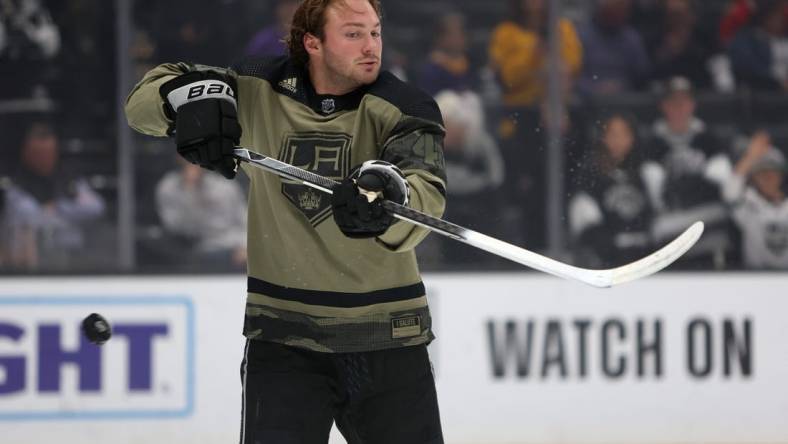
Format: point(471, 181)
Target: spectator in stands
point(518, 56)
point(474, 166)
point(397, 62)
point(678, 47)
point(27, 30)
point(269, 40)
point(614, 57)
point(47, 211)
point(473, 160)
point(687, 168)
point(738, 15)
point(688, 154)
point(760, 205)
point(610, 211)
point(759, 51)
point(447, 66)
point(29, 41)
point(204, 216)
point(518, 52)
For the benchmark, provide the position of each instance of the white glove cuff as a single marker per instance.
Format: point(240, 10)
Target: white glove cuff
point(203, 89)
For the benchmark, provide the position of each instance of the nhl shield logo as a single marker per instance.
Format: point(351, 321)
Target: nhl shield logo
point(328, 106)
point(327, 154)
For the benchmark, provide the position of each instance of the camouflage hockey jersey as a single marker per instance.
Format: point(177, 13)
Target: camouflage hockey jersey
point(309, 285)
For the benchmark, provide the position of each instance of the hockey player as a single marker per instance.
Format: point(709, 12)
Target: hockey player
point(337, 321)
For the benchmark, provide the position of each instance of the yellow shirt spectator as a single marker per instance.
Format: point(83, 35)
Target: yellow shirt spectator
point(519, 57)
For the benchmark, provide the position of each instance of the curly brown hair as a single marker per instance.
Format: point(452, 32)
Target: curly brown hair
point(310, 18)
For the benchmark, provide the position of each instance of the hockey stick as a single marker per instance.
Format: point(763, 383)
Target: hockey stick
point(598, 278)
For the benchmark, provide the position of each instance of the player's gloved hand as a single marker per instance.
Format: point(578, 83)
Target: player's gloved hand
point(354, 214)
point(204, 107)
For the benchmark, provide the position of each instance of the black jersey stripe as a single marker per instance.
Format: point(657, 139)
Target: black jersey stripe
point(334, 298)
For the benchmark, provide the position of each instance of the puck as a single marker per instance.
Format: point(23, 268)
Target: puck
point(96, 329)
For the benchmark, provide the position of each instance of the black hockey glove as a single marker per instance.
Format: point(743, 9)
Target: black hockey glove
point(204, 108)
point(354, 214)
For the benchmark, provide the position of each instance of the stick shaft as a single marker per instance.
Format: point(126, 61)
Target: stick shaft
point(327, 185)
point(598, 278)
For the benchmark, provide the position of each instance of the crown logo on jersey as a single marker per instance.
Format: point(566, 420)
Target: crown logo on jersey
point(328, 106)
point(290, 84)
point(309, 200)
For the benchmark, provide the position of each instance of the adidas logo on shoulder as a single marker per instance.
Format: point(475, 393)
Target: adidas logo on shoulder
point(289, 84)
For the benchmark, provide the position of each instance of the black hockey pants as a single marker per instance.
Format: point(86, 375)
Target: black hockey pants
point(292, 396)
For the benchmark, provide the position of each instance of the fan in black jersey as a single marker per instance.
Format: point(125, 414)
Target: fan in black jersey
point(610, 211)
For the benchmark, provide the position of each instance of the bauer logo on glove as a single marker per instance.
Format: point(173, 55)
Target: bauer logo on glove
point(205, 89)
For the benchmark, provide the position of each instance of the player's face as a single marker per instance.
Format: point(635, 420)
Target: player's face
point(352, 44)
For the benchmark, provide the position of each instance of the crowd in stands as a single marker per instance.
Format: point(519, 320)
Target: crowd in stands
point(47, 210)
point(57, 117)
point(204, 217)
point(673, 111)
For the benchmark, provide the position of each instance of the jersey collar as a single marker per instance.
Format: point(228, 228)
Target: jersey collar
point(295, 83)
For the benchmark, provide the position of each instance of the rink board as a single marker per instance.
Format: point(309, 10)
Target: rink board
point(520, 358)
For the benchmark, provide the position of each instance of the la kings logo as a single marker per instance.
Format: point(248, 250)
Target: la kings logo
point(309, 200)
point(327, 154)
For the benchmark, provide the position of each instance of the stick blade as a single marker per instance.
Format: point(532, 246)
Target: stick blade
point(649, 264)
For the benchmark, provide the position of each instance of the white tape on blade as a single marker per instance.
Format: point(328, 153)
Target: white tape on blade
point(204, 89)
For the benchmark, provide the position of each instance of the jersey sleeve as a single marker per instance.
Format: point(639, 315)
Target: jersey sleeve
point(415, 145)
point(145, 107)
